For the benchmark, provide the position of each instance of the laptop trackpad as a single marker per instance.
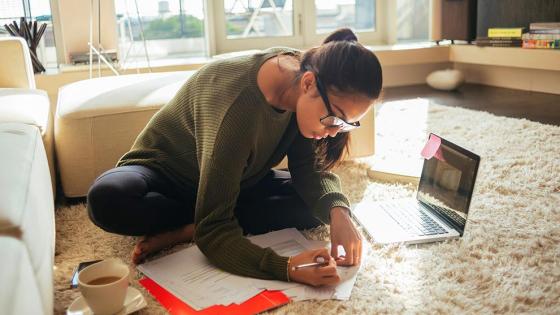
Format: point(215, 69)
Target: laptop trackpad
point(381, 227)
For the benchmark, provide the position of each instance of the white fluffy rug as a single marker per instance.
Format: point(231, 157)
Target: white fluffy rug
point(507, 262)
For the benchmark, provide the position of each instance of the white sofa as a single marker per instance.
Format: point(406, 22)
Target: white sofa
point(20, 101)
point(22, 296)
point(26, 216)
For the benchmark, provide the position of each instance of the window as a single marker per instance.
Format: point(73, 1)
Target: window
point(170, 29)
point(329, 15)
point(413, 18)
point(40, 10)
point(356, 14)
point(250, 18)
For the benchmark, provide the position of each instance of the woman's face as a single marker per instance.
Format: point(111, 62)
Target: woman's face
point(310, 108)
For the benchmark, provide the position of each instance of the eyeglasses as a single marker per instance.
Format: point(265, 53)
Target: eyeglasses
point(331, 120)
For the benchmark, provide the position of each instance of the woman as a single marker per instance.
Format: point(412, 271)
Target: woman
point(201, 168)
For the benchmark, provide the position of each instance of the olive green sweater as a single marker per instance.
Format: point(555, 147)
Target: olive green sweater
point(219, 135)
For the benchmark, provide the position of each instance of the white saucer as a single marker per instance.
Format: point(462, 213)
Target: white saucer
point(133, 302)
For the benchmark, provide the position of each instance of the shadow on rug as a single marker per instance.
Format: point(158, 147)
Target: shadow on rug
point(507, 261)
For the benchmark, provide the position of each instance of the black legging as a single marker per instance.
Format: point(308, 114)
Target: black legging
point(136, 200)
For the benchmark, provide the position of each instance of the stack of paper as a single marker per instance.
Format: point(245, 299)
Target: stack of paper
point(192, 278)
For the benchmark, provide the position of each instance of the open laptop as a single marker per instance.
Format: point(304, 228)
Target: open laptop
point(441, 206)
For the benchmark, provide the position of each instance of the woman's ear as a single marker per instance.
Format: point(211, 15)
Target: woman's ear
point(307, 81)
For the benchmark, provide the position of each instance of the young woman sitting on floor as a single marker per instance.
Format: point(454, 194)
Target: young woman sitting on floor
point(202, 168)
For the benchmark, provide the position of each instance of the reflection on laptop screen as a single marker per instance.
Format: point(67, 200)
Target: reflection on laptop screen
point(447, 183)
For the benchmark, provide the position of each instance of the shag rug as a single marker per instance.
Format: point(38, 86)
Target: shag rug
point(508, 260)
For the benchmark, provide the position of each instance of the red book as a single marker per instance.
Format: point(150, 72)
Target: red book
point(261, 302)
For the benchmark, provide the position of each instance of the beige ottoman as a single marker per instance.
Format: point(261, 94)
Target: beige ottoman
point(26, 202)
point(97, 121)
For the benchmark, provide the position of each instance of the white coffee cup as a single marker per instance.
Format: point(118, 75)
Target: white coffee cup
point(107, 298)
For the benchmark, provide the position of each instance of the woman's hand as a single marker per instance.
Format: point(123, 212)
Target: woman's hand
point(343, 232)
point(315, 276)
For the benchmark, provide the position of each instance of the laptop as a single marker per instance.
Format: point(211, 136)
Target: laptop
point(441, 206)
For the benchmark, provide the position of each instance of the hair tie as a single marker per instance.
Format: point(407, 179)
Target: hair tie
point(349, 38)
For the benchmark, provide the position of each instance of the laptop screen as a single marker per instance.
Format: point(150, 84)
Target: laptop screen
point(447, 183)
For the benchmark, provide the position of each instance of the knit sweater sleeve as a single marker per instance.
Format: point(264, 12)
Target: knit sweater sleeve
point(218, 233)
point(320, 190)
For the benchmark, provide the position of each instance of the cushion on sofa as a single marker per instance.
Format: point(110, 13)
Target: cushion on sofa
point(28, 106)
point(26, 199)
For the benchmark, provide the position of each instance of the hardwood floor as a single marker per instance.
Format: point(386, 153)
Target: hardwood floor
point(535, 106)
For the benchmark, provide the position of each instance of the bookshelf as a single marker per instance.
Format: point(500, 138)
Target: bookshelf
point(542, 59)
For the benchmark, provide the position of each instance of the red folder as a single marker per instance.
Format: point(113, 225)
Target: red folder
point(261, 302)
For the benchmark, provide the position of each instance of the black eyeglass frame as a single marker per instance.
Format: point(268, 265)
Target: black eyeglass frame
point(345, 126)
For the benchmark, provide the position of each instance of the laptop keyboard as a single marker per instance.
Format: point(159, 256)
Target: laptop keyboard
point(457, 218)
point(413, 220)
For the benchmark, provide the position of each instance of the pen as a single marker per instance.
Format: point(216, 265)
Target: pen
point(319, 263)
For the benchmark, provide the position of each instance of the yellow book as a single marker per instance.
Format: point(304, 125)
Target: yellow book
point(505, 32)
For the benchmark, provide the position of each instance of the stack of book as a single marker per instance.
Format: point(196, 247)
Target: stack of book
point(83, 58)
point(542, 35)
point(502, 37)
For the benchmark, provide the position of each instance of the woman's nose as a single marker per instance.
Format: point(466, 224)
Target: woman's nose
point(333, 131)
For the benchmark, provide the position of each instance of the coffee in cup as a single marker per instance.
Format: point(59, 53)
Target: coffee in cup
point(104, 285)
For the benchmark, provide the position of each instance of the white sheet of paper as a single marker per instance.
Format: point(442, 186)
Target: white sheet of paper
point(192, 278)
point(287, 242)
point(347, 275)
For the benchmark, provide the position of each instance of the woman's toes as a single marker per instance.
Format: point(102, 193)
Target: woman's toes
point(140, 251)
point(154, 243)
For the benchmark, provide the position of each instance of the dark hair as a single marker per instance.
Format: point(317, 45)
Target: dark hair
point(345, 66)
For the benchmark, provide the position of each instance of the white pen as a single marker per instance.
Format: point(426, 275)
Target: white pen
point(319, 263)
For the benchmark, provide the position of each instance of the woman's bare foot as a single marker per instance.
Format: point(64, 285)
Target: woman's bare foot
point(151, 244)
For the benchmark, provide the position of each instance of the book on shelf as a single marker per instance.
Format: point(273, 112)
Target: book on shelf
point(541, 43)
point(547, 41)
point(541, 36)
point(544, 26)
point(83, 57)
point(498, 41)
point(505, 32)
point(545, 31)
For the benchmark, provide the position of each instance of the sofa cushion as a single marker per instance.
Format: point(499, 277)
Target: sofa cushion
point(26, 199)
point(28, 106)
point(118, 94)
point(20, 293)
